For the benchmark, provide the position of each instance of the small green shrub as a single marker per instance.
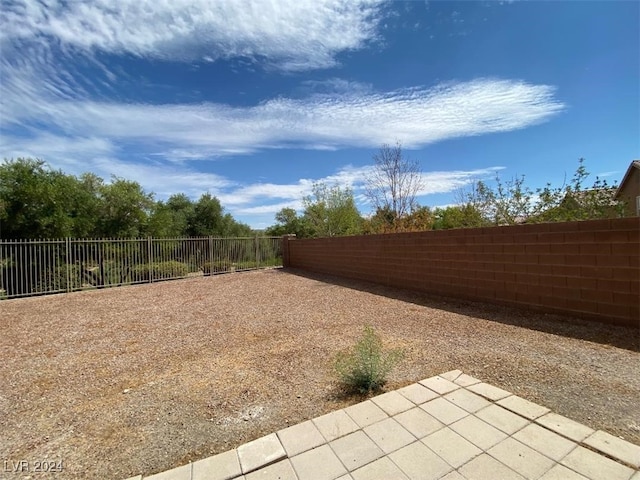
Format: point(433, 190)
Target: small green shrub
point(160, 270)
point(218, 266)
point(365, 366)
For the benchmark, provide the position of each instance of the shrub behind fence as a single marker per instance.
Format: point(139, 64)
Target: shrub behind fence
point(36, 267)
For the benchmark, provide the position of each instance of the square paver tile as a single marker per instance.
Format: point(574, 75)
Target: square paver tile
point(595, 466)
point(465, 380)
point(260, 452)
point(489, 391)
point(545, 441)
point(418, 422)
point(356, 450)
point(365, 413)
point(389, 435)
point(444, 411)
point(523, 407)
point(565, 426)
point(383, 469)
point(280, 471)
point(502, 418)
point(456, 450)
point(320, 463)
point(417, 393)
point(180, 473)
point(439, 385)
point(420, 463)
point(480, 433)
point(485, 467)
point(615, 447)
point(452, 375)
point(219, 467)
point(467, 400)
point(335, 425)
point(560, 472)
point(346, 477)
point(300, 438)
point(524, 460)
point(392, 403)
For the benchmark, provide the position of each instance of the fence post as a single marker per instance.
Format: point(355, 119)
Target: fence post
point(257, 252)
point(286, 260)
point(211, 266)
point(149, 249)
point(66, 260)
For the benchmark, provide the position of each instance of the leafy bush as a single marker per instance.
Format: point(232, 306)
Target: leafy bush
point(161, 270)
point(364, 367)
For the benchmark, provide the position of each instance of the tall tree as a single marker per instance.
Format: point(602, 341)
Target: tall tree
point(125, 209)
point(394, 182)
point(206, 217)
point(171, 219)
point(38, 202)
point(331, 211)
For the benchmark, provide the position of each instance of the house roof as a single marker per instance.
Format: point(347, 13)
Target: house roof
point(627, 175)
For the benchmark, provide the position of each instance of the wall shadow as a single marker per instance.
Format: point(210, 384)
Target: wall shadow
point(624, 337)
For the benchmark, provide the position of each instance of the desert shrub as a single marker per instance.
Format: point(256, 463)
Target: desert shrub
point(160, 270)
point(365, 366)
point(218, 266)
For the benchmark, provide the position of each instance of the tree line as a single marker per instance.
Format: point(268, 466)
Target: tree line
point(39, 202)
point(395, 182)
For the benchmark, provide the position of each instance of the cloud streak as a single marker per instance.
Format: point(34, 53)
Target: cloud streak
point(291, 35)
point(416, 116)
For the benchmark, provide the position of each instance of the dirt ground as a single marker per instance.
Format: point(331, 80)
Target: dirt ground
point(140, 379)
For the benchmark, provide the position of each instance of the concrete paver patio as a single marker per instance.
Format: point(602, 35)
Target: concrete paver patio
point(449, 427)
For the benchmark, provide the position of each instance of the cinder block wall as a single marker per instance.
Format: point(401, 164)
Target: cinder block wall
point(588, 269)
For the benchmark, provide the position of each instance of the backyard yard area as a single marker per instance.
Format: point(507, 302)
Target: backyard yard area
point(122, 381)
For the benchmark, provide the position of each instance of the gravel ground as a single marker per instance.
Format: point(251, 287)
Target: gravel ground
point(141, 379)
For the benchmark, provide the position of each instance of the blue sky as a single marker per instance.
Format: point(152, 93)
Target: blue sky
point(253, 101)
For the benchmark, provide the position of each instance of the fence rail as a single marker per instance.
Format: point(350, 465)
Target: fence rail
point(38, 267)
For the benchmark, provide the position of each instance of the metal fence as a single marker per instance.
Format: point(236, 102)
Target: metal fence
point(37, 267)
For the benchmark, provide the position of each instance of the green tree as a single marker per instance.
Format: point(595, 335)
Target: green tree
point(288, 222)
point(572, 202)
point(232, 228)
point(458, 216)
point(385, 221)
point(331, 211)
point(206, 217)
point(125, 209)
point(38, 202)
point(171, 219)
point(511, 202)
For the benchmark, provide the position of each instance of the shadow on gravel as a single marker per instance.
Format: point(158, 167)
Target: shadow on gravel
point(566, 326)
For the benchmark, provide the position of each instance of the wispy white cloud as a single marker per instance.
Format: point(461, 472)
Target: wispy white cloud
point(450, 181)
point(292, 35)
point(416, 116)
